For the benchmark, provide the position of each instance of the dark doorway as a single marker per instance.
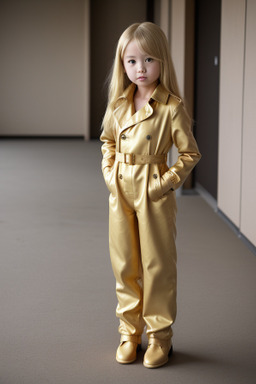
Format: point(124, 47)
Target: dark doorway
point(207, 39)
point(108, 19)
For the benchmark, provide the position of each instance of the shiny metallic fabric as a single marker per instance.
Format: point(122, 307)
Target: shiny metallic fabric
point(142, 208)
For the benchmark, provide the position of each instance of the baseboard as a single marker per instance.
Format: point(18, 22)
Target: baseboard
point(236, 230)
point(213, 203)
point(206, 196)
point(41, 137)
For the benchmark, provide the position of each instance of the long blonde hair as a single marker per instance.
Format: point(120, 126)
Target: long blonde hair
point(151, 40)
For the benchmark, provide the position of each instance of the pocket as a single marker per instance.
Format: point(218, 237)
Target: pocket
point(110, 179)
point(155, 188)
point(159, 187)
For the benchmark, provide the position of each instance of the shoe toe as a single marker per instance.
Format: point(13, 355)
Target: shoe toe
point(127, 352)
point(156, 356)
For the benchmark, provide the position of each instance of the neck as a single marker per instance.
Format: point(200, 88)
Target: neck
point(145, 92)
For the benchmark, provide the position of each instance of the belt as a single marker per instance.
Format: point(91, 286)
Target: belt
point(134, 159)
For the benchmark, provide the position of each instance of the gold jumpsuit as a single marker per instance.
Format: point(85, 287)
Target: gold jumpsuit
point(142, 207)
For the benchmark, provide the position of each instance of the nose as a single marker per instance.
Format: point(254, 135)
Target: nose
point(141, 68)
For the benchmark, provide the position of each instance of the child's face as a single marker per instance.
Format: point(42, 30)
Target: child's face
point(141, 69)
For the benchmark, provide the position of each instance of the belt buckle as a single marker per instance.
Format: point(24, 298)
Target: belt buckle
point(129, 158)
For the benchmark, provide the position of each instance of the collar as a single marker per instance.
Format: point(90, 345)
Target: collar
point(127, 95)
point(160, 94)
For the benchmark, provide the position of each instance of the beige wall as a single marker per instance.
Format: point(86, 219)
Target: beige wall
point(177, 48)
point(248, 191)
point(177, 40)
point(176, 18)
point(237, 134)
point(44, 67)
point(181, 37)
point(230, 112)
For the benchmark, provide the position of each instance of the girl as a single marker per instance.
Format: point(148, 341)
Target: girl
point(145, 116)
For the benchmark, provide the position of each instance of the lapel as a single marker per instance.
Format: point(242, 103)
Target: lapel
point(124, 108)
point(143, 114)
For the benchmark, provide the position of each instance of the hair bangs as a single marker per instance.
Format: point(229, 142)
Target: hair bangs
point(147, 44)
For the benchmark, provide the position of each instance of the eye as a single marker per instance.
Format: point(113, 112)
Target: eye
point(149, 60)
point(131, 61)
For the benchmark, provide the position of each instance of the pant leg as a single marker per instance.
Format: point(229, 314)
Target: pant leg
point(126, 264)
point(157, 228)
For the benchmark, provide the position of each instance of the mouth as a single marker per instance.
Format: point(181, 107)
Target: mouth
point(141, 78)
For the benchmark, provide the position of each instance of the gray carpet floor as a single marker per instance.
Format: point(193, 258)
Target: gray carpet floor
point(57, 291)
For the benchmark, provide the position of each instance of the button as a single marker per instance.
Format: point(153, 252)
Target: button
point(155, 176)
point(148, 137)
point(120, 176)
point(123, 137)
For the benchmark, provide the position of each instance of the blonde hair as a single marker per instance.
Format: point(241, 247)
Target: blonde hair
point(151, 40)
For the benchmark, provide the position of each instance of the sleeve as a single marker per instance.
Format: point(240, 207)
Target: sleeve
point(185, 142)
point(108, 148)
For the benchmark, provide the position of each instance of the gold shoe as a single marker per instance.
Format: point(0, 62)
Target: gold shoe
point(127, 351)
point(158, 353)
